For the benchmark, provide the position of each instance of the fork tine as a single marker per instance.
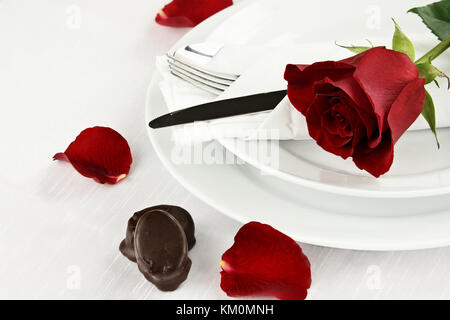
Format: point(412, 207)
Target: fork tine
point(219, 75)
point(211, 83)
point(196, 83)
point(195, 74)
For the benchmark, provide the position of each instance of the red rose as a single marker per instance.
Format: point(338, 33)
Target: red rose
point(359, 107)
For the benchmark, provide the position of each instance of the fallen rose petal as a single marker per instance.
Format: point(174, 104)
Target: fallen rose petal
point(265, 262)
point(99, 153)
point(189, 13)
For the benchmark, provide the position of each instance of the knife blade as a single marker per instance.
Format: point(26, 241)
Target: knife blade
point(221, 109)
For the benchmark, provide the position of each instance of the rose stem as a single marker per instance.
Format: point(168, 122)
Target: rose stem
point(435, 52)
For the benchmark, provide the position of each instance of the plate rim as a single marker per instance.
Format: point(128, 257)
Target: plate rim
point(321, 186)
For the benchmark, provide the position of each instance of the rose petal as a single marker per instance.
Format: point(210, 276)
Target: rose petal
point(189, 13)
point(264, 261)
point(328, 142)
point(301, 80)
point(377, 161)
point(406, 108)
point(357, 98)
point(383, 74)
point(99, 153)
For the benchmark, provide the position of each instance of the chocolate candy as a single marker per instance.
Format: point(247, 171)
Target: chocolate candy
point(181, 215)
point(161, 249)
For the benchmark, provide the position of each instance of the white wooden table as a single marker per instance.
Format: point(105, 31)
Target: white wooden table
point(68, 65)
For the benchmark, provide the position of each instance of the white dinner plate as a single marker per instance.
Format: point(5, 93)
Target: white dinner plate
point(306, 214)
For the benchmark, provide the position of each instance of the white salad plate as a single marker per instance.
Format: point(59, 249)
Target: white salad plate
point(328, 207)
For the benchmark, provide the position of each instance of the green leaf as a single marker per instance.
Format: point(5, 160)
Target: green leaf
point(437, 17)
point(430, 72)
point(401, 43)
point(357, 49)
point(429, 114)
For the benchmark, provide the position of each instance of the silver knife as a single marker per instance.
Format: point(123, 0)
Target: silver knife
point(221, 109)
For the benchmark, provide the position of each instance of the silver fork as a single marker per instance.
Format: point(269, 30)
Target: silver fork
point(192, 71)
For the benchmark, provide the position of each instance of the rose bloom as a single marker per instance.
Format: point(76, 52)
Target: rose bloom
point(359, 107)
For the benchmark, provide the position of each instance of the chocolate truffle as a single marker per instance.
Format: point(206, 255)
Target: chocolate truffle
point(183, 217)
point(161, 249)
